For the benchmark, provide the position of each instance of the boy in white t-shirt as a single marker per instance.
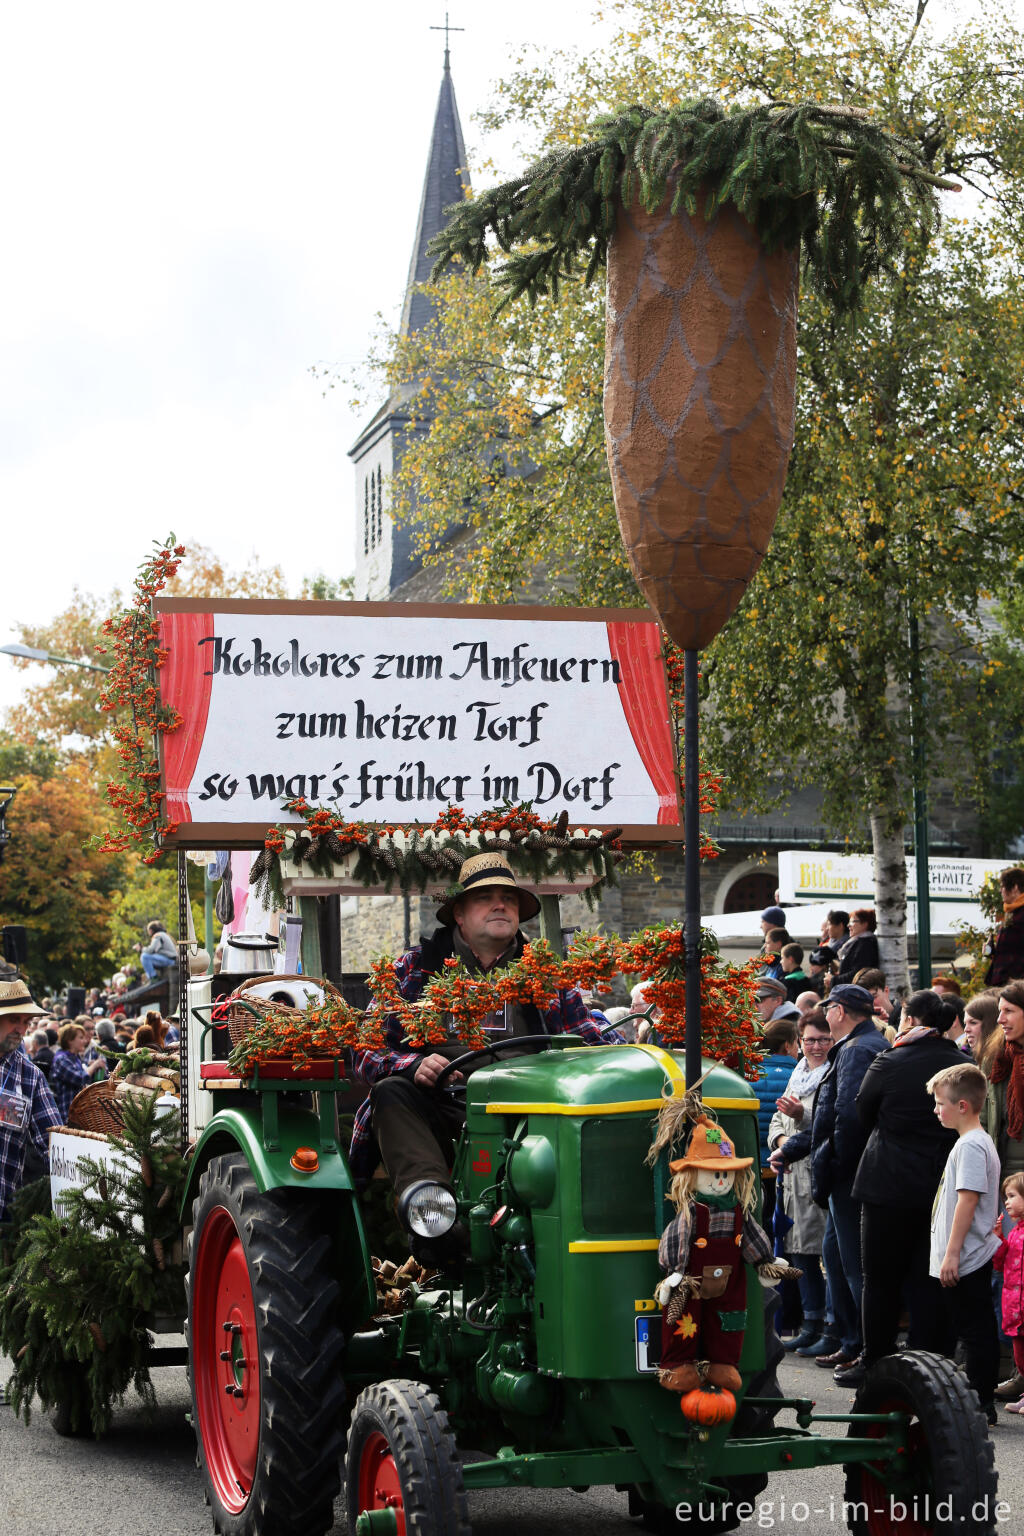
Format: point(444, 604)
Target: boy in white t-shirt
point(963, 1217)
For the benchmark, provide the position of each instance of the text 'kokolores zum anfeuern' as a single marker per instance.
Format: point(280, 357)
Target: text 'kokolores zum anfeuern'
point(363, 709)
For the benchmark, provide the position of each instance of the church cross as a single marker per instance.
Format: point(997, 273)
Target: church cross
point(446, 29)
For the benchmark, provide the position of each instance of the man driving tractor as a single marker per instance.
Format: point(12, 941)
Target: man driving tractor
point(409, 1118)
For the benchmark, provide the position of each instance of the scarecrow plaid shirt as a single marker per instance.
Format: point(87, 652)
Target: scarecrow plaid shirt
point(19, 1075)
point(565, 1013)
point(67, 1077)
point(674, 1247)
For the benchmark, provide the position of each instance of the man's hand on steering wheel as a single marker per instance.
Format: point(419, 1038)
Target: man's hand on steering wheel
point(430, 1069)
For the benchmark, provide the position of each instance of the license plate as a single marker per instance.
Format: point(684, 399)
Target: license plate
point(648, 1343)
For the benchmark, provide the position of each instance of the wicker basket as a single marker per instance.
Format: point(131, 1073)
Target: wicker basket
point(239, 1019)
point(97, 1108)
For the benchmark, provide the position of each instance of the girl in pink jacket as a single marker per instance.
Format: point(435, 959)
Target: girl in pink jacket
point(1010, 1259)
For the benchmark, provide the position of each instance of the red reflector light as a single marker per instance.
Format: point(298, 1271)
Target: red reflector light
point(305, 1160)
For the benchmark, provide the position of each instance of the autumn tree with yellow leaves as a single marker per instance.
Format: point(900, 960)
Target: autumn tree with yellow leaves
point(85, 908)
point(905, 497)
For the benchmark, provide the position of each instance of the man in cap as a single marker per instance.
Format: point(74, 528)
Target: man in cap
point(772, 917)
point(414, 1124)
point(772, 1001)
point(834, 1142)
point(27, 1108)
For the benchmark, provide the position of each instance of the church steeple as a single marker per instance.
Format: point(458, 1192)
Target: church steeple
point(385, 554)
point(446, 182)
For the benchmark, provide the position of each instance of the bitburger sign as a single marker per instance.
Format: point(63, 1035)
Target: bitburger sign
point(389, 712)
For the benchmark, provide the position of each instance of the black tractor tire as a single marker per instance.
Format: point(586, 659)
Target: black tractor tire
point(749, 1421)
point(402, 1452)
point(267, 1388)
point(949, 1453)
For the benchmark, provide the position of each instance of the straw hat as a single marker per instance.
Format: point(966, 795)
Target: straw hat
point(15, 998)
point(709, 1148)
point(479, 872)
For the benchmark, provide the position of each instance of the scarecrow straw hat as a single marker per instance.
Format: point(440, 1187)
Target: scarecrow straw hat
point(709, 1148)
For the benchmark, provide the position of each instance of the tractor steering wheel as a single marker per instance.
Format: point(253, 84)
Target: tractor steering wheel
point(494, 1049)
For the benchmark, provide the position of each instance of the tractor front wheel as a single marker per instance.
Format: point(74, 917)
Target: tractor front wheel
point(944, 1480)
point(264, 1356)
point(402, 1471)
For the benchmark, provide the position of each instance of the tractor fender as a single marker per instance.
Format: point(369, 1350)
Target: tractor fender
point(241, 1129)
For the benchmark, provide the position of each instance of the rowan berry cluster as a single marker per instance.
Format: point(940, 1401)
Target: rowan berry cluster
point(131, 690)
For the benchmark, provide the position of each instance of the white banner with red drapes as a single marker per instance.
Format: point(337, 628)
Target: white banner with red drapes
point(388, 713)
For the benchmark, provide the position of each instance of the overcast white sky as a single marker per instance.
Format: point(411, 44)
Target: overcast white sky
point(200, 202)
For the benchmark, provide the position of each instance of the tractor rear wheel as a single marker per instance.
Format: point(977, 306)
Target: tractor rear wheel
point(402, 1473)
point(264, 1356)
point(945, 1481)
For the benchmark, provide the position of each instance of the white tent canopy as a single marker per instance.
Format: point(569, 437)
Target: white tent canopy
point(804, 922)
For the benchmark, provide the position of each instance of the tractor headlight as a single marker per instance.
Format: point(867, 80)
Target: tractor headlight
point(428, 1209)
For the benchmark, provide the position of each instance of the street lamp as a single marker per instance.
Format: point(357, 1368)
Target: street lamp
point(29, 653)
point(7, 794)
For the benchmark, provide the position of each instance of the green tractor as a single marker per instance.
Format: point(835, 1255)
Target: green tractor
point(534, 1363)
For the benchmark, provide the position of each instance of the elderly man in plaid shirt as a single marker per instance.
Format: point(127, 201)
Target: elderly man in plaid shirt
point(27, 1108)
point(405, 1120)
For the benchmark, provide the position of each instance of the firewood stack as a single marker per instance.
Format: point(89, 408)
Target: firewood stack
point(398, 1285)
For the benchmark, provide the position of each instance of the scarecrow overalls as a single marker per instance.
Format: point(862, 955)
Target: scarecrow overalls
point(710, 1326)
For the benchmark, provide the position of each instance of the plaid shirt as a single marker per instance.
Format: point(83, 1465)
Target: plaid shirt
point(67, 1077)
point(563, 1014)
point(19, 1075)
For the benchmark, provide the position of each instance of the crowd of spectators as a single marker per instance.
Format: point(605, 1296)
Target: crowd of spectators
point(892, 1138)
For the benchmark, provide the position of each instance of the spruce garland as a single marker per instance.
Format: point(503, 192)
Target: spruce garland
point(76, 1287)
point(826, 177)
point(411, 858)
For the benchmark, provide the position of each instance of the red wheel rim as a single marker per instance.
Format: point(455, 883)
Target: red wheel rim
point(378, 1483)
point(225, 1360)
point(883, 1504)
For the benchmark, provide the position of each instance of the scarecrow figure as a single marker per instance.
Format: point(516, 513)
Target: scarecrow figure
point(702, 1253)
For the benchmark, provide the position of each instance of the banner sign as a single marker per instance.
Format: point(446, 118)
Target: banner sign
point(806, 876)
point(67, 1154)
point(389, 712)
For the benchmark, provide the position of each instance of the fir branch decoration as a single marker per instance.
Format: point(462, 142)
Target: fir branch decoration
point(411, 857)
point(824, 176)
point(76, 1287)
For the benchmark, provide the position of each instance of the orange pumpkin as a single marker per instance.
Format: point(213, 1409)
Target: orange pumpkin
point(708, 1405)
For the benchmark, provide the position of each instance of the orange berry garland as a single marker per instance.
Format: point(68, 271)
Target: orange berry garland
point(456, 1004)
point(131, 688)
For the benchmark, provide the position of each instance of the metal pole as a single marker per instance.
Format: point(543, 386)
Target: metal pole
point(691, 836)
point(183, 1010)
point(918, 705)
